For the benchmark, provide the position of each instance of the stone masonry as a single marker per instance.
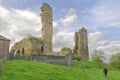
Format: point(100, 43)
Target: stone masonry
point(60, 58)
point(4, 47)
point(81, 44)
point(27, 46)
point(47, 28)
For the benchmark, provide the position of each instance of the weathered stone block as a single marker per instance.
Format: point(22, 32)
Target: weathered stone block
point(81, 44)
point(47, 28)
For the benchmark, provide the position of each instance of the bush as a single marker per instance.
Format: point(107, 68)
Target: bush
point(76, 57)
point(115, 61)
point(66, 49)
point(98, 57)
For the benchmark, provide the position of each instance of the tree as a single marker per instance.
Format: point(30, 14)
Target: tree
point(115, 60)
point(66, 49)
point(98, 56)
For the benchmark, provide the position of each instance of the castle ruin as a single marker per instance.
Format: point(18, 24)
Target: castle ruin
point(47, 28)
point(41, 49)
point(81, 44)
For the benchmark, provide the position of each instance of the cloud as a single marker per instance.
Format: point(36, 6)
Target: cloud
point(111, 48)
point(103, 42)
point(55, 28)
point(17, 1)
point(63, 36)
point(94, 37)
point(97, 41)
point(63, 39)
point(105, 14)
point(16, 24)
point(70, 17)
point(0, 2)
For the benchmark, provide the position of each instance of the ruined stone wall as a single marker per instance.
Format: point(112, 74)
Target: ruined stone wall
point(27, 46)
point(81, 44)
point(47, 28)
point(59, 59)
point(53, 59)
point(4, 48)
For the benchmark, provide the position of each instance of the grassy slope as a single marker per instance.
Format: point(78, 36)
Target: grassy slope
point(26, 70)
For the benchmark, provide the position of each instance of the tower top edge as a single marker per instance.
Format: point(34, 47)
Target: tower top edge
point(82, 29)
point(44, 5)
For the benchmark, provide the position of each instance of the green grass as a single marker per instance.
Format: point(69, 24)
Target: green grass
point(0, 67)
point(0, 60)
point(28, 70)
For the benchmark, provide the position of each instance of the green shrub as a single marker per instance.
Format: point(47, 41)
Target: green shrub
point(115, 61)
point(66, 49)
point(76, 57)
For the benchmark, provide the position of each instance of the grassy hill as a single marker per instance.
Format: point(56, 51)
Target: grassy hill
point(28, 70)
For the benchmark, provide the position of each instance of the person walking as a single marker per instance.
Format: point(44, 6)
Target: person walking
point(105, 71)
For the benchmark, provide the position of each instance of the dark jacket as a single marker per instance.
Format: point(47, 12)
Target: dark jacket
point(105, 70)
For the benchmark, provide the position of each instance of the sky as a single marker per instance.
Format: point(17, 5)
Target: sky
point(101, 18)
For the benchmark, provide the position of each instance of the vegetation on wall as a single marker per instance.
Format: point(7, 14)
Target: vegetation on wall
point(66, 49)
point(33, 38)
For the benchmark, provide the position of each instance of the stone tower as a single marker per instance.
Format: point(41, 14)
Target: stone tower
point(81, 44)
point(47, 28)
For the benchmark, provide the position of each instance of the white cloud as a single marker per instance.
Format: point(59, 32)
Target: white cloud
point(113, 24)
point(70, 17)
point(0, 2)
point(17, 1)
point(3, 12)
point(16, 24)
point(55, 28)
point(110, 48)
point(93, 38)
point(103, 42)
point(63, 39)
point(105, 14)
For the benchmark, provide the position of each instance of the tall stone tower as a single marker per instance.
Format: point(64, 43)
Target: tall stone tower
point(81, 44)
point(47, 28)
